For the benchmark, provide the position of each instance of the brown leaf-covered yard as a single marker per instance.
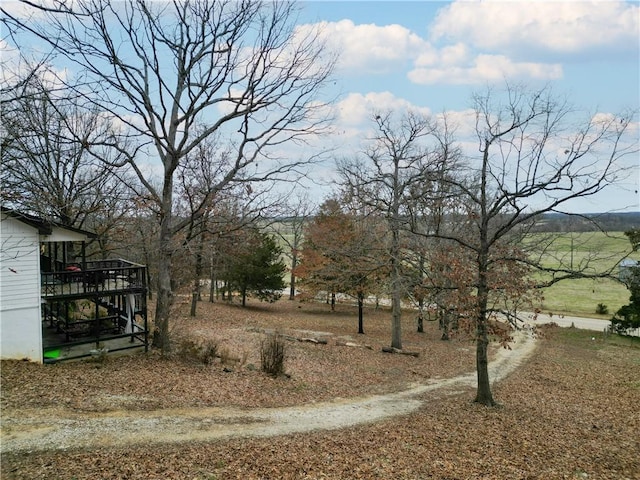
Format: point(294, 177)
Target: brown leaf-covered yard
point(570, 411)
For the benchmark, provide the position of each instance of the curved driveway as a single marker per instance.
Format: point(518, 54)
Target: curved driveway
point(60, 430)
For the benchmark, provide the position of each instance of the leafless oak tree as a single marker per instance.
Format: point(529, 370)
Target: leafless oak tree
point(240, 69)
point(533, 159)
point(403, 157)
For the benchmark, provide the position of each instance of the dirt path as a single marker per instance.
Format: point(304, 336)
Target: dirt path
point(58, 430)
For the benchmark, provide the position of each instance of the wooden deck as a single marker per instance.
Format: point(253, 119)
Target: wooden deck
point(102, 306)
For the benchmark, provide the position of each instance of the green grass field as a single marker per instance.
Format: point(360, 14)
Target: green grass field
point(581, 297)
point(596, 252)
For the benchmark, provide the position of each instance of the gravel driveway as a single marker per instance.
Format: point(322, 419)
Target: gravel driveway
point(52, 429)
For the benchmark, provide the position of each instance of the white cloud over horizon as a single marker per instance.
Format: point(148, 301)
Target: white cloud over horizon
point(357, 108)
point(473, 42)
point(552, 26)
point(483, 69)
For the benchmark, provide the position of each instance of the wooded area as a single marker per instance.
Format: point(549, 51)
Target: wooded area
point(171, 151)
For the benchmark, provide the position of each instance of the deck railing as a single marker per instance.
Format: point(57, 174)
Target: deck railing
point(97, 305)
point(101, 276)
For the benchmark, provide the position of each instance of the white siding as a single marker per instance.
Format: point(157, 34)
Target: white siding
point(20, 323)
point(59, 234)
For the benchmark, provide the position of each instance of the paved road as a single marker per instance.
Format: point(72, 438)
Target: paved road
point(578, 322)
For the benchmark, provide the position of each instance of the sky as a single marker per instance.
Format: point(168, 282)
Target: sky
point(431, 57)
point(433, 54)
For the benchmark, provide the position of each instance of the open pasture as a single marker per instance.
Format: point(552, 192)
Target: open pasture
point(593, 252)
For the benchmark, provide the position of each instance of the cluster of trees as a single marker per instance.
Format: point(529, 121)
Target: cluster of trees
point(592, 222)
point(208, 89)
point(450, 230)
point(169, 133)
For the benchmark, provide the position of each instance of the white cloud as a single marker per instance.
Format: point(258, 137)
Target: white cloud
point(484, 68)
point(373, 49)
point(15, 68)
point(369, 48)
point(552, 26)
point(357, 109)
point(449, 55)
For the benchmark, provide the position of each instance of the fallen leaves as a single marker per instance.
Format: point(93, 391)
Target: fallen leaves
point(571, 412)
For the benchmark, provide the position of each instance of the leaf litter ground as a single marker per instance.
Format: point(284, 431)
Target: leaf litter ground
point(571, 411)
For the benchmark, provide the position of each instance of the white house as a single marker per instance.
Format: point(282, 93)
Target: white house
point(627, 269)
point(21, 237)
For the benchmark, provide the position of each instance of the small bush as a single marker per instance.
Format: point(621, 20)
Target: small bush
point(272, 355)
point(201, 350)
point(208, 351)
point(602, 309)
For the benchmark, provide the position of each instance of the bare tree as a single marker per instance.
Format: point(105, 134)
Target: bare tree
point(237, 68)
point(234, 207)
point(47, 167)
point(431, 207)
point(295, 215)
point(405, 153)
point(532, 160)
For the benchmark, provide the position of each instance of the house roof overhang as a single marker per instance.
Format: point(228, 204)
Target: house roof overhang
point(50, 231)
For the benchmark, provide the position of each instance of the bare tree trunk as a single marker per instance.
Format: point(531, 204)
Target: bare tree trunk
point(445, 321)
point(483, 394)
point(421, 315)
point(360, 313)
point(149, 283)
point(396, 320)
point(194, 298)
point(212, 282)
point(165, 294)
point(195, 294)
point(396, 287)
point(292, 283)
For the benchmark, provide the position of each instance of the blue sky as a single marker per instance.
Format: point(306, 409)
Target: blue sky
point(588, 50)
point(432, 56)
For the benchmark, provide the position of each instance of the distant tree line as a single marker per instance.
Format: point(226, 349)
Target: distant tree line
point(589, 222)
